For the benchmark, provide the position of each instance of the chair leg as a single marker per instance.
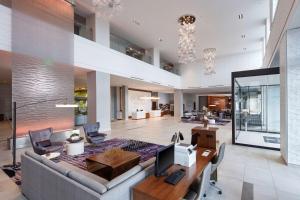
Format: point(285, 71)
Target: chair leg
point(213, 185)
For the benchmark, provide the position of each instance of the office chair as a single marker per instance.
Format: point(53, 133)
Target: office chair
point(216, 164)
point(177, 137)
point(200, 186)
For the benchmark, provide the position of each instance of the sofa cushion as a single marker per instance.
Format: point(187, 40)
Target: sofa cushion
point(57, 167)
point(147, 163)
point(123, 177)
point(87, 182)
point(83, 172)
point(33, 155)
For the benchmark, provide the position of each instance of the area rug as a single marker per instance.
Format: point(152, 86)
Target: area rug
point(273, 140)
point(146, 151)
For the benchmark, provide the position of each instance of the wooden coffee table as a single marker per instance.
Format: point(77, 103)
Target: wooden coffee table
point(111, 167)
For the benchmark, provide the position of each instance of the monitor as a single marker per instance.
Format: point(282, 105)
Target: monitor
point(164, 159)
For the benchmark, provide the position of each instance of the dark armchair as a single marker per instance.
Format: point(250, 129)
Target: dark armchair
point(40, 140)
point(91, 133)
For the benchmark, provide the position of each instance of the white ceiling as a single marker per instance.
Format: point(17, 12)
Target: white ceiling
point(208, 91)
point(217, 24)
point(136, 84)
point(80, 76)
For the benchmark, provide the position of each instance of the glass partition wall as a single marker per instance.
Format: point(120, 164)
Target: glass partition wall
point(256, 108)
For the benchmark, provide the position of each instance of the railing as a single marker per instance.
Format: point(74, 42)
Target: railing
point(126, 47)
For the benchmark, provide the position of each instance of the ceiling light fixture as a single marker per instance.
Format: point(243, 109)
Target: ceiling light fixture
point(149, 98)
point(209, 57)
point(243, 36)
point(186, 43)
point(241, 16)
point(107, 8)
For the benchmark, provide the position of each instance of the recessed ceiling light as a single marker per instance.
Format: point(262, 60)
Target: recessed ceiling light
point(136, 22)
point(241, 16)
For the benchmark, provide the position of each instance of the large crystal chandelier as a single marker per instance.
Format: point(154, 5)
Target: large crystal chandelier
point(107, 8)
point(187, 41)
point(209, 57)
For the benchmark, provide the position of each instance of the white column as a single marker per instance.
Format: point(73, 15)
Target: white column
point(156, 57)
point(178, 104)
point(98, 85)
point(99, 29)
point(290, 92)
point(124, 100)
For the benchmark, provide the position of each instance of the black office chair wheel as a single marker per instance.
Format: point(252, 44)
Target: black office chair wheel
point(213, 182)
point(220, 192)
point(204, 195)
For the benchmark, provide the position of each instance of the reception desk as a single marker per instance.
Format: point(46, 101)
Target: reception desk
point(155, 113)
point(138, 115)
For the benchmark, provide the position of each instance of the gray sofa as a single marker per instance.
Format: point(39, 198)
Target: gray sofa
point(43, 179)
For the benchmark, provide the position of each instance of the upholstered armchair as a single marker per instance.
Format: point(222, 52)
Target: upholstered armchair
point(40, 140)
point(91, 133)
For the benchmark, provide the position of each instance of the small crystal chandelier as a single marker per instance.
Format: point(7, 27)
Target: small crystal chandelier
point(187, 41)
point(107, 8)
point(209, 57)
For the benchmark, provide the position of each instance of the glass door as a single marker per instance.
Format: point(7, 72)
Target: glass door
point(256, 110)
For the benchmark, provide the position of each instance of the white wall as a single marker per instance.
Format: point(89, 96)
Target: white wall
point(188, 101)
point(278, 28)
point(5, 28)
point(290, 109)
point(192, 75)
point(165, 98)
point(135, 102)
point(91, 55)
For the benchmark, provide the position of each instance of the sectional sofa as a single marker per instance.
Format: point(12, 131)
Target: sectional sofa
point(42, 179)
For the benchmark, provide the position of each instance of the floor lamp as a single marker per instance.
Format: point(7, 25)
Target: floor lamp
point(10, 169)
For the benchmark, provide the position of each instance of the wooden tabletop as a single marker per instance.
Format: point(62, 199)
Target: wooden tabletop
point(114, 162)
point(154, 188)
point(200, 128)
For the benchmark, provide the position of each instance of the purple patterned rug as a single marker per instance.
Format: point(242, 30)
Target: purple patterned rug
point(147, 151)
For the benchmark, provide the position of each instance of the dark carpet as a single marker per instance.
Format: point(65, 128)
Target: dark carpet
point(273, 140)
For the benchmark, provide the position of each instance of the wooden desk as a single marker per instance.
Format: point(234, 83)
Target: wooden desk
point(110, 168)
point(154, 188)
point(205, 137)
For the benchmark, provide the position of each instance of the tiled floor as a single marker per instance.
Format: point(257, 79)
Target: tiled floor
point(265, 169)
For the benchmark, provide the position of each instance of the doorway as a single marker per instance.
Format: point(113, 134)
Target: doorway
point(256, 108)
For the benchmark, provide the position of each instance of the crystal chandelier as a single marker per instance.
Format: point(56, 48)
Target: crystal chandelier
point(209, 56)
point(186, 44)
point(107, 8)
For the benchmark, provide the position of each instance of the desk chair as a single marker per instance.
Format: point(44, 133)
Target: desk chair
point(216, 164)
point(200, 186)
